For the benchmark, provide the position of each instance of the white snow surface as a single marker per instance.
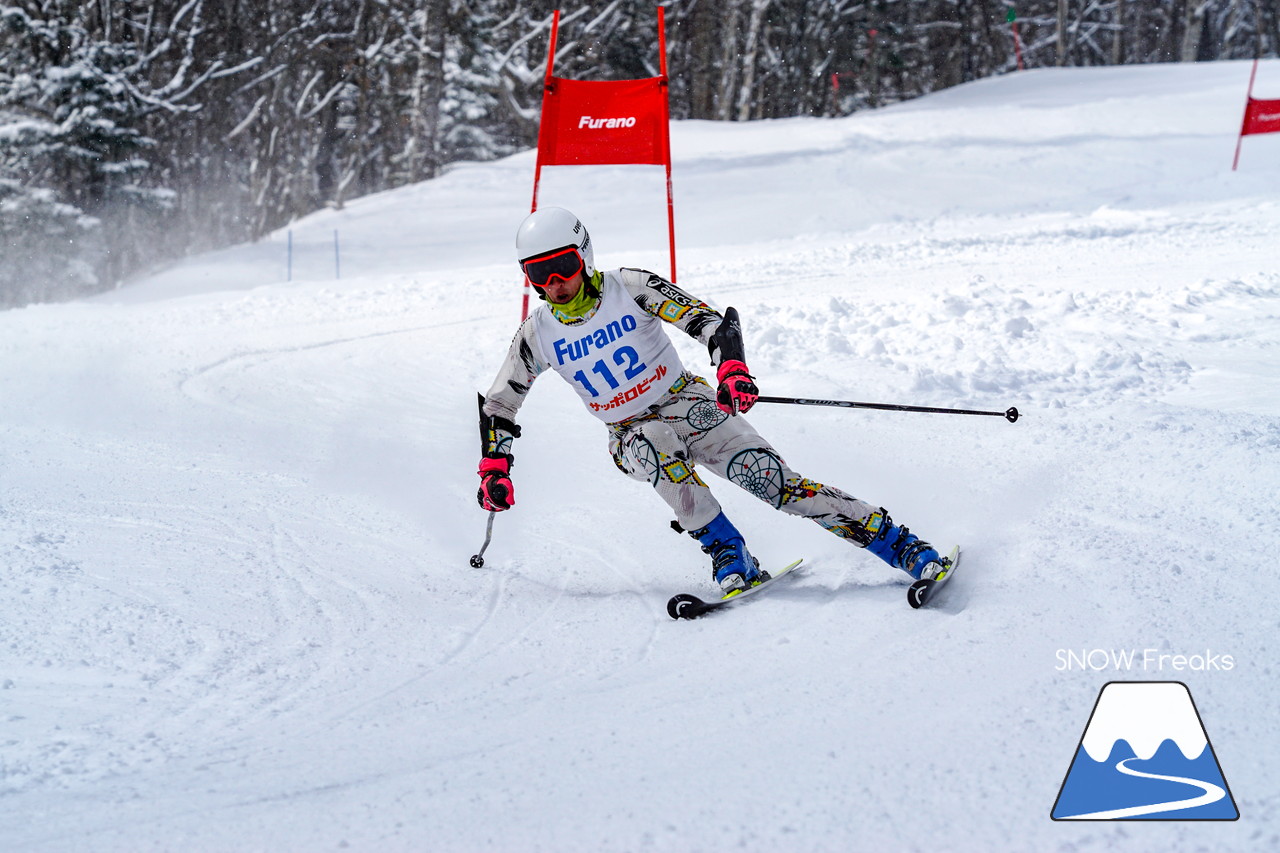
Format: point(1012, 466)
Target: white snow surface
point(236, 610)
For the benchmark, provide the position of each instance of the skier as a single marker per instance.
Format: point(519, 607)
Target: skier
point(604, 333)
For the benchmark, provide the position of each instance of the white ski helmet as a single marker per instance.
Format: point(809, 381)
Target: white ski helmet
point(551, 228)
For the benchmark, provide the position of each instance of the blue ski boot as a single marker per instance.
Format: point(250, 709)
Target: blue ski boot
point(731, 563)
point(901, 548)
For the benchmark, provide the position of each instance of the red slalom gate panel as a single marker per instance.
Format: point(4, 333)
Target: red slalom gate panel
point(589, 123)
point(606, 123)
point(1259, 116)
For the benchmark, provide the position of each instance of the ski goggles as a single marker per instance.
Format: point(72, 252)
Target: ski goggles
point(563, 264)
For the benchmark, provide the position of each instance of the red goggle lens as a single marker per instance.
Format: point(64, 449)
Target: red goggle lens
point(564, 264)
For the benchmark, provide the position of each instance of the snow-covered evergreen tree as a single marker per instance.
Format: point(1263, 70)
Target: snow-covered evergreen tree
point(50, 250)
point(73, 144)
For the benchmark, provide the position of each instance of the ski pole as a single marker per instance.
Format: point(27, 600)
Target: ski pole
point(477, 560)
point(1011, 414)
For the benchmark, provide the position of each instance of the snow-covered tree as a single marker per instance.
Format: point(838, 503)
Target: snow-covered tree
point(78, 86)
point(50, 249)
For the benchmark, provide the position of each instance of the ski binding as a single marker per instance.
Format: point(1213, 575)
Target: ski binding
point(687, 606)
point(920, 592)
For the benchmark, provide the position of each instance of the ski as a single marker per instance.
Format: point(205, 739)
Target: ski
point(687, 606)
point(920, 592)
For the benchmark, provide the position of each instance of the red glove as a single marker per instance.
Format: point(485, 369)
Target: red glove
point(496, 492)
point(737, 392)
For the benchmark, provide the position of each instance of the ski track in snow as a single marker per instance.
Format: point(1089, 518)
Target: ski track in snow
point(235, 514)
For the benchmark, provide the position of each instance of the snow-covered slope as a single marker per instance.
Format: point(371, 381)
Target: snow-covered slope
point(235, 512)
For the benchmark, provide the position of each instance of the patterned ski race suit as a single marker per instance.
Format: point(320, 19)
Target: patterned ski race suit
point(663, 420)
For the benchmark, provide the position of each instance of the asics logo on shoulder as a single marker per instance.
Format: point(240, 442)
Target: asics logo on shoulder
point(599, 339)
point(670, 292)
